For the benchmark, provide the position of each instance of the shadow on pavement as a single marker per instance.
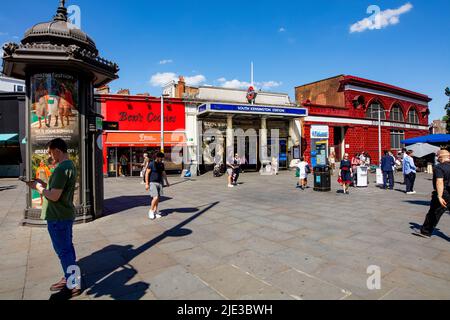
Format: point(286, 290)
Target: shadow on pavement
point(437, 232)
point(4, 188)
point(168, 212)
point(419, 202)
point(107, 272)
point(124, 203)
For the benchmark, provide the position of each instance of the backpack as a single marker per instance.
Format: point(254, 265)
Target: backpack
point(308, 169)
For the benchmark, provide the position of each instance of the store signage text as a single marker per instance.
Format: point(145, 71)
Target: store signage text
point(320, 132)
point(150, 117)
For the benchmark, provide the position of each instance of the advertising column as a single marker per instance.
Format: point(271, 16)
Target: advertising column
point(54, 113)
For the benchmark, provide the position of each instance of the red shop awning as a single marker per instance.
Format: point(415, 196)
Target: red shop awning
point(143, 139)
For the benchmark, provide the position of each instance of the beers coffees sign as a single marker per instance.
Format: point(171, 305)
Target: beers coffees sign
point(145, 116)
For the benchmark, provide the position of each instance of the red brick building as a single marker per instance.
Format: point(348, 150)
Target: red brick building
point(344, 113)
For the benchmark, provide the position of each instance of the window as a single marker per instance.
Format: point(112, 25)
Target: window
point(396, 137)
point(372, 111)
point(413, 117)
point(397, 114)
point(19, 88)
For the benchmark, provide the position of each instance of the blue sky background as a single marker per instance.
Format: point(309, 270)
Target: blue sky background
point(290, 42)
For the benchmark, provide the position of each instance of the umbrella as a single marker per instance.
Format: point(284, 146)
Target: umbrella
point(432, 138)
point(423, 149)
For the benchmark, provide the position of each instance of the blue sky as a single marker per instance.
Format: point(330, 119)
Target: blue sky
point(290, 42)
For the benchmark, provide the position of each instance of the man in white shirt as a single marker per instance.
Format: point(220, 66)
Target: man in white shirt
point(303, 166)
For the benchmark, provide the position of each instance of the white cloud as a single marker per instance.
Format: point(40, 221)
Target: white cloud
point(234, 84)
point(269, 84)
point(161, 79)
point(166, 61)
point(237, 84)
point(195, 80)
point(282, 29)
point(382, 19)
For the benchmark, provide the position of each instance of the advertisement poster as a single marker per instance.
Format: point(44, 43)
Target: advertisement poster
point(53, 114)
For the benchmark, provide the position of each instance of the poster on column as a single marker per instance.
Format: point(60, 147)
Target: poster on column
point(53, 114)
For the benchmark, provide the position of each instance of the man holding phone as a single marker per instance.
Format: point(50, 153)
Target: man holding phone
point(154, 181)
point(59, 211)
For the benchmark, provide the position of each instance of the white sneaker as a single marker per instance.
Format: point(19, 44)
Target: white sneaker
point(151, 215)
point(158, 215)
point(412, 192)
point(230, 186)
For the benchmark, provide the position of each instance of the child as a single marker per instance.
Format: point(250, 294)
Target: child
point(303, 166)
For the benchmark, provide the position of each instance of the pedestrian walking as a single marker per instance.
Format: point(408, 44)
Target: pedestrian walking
point(440, 201)
point(345, 173)
point(144, 167)
point(387, 167)
point(237, 162)
point(154, 182)
point(304, 170)
point(332, 162)
point(59, 211)
point(409, 171)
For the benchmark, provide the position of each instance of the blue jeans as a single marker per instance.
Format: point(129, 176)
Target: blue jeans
point(388, 176)
point(61, 236)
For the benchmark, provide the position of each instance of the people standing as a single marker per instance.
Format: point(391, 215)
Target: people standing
point(356, 162)
point(230, 172)
point(304, 170)
point(332, 162)
point(409, 171)
point(144, 167)
point(440, 201)
point(387, 167)
point(345, 173)
point(154, 180)
point(59, 211)
point(124, 164)
point(236, 169)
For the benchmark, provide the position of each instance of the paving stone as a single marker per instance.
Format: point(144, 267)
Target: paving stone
point(175, 282)
point(235, 284)
point(305, 287)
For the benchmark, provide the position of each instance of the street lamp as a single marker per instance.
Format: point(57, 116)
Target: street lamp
point(378, 106)
point(162, 120)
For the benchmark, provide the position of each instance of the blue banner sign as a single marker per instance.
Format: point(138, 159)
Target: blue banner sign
point(253, 109)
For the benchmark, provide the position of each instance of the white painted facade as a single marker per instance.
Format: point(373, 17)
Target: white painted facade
point(11, 85)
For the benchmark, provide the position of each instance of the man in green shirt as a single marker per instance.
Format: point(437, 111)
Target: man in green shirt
point(59, 212)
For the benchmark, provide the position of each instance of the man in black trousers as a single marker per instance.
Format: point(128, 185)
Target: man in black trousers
point(440, 201)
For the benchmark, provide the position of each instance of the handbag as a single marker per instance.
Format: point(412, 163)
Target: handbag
point(297, 173)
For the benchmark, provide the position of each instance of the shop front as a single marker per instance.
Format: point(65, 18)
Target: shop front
point(137, 131)
point(258, 133)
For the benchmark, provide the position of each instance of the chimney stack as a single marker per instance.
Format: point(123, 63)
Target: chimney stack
point(181, 87)
point(125, 92)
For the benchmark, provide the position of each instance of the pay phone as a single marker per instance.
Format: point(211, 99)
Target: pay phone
point(319, 153)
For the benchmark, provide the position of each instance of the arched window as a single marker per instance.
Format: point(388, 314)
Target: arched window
point(413, 117)
point(397, 114)
point(372, 111)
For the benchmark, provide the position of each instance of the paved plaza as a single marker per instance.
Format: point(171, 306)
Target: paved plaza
point(264, 239)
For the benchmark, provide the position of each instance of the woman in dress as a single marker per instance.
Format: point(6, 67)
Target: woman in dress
point(41, 104)
point(65, 104)
point(346, 173)
point(332, 161)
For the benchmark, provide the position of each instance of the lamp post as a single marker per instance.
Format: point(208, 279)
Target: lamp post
point(379, 131)
point(162, 121)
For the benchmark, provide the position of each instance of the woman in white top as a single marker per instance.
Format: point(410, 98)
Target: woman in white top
point(303, 166)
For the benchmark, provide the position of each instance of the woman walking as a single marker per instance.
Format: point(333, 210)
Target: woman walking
point(345, 173)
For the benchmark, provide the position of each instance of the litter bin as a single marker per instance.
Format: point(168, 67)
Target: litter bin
point(362, 176)
point(322, 179)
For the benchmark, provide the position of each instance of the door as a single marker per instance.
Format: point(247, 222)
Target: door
point(283, 161)
point(112, 162)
